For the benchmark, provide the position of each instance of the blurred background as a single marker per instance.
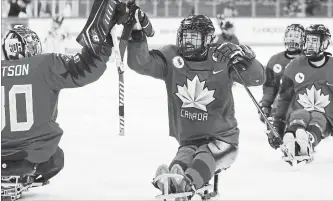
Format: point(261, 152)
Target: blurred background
point(270, 16)
point(176, 8)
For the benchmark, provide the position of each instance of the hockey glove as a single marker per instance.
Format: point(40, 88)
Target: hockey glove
point(143, 23)
point(266, 110)
point(279, 126)
point(142, 27)
point(239, 56)
point(103, 16)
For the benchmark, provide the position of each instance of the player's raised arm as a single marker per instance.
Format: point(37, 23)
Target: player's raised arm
point(139, 58)
point(243, 59)
point(66, 71)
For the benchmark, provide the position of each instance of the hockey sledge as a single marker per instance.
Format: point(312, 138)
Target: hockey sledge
point(14, 182)
point(206, 192)
point(12, 187)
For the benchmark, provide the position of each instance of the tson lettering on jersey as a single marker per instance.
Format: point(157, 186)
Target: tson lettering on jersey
point(199, 116)
point(17, 70)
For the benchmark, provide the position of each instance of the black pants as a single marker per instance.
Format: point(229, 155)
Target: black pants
point(44, 171)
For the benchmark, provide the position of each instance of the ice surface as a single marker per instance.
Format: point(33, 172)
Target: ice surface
point(100, 165)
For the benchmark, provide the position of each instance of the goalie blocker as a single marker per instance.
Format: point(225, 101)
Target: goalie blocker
point(100, 22)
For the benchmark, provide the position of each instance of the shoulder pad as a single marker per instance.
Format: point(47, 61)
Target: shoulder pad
point(169, 51)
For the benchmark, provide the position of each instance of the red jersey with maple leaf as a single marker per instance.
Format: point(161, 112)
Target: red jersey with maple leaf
point(200, 100)
point(305, 86)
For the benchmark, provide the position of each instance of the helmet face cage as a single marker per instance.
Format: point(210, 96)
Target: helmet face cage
point(317, 40)
point(294, 37)
point(194, 35)
point(21, 42)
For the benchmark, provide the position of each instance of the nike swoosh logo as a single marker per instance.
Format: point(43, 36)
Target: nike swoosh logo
point(329, 84)
point(216, 72)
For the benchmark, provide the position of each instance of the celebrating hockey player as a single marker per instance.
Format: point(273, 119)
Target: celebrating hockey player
point(200, 102)
point(293, 41)
point(305, 97)
point(55, 40)
point(30, 86)
point(227, 34)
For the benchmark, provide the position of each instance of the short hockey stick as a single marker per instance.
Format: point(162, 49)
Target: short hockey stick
point(283, 147)
point(128, 26)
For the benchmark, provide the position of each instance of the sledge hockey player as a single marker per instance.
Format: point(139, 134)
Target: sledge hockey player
point(305, 97)
point(293, 41)
point(30, 86)
point(227, 34)
point(201, 107)
point(55, 40)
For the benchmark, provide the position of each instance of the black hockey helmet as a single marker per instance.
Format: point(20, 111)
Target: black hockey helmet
point(21, 42)
point(294, 37)
point(317, 40)
point(194, 35)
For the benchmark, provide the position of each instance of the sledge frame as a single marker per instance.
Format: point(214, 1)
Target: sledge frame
point(12, 188)
point(206, 192)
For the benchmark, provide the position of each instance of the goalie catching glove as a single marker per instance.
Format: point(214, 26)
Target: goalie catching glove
point(239, 56)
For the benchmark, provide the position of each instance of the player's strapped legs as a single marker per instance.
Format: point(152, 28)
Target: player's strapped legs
point(317, 127)
point(329, 130)
point(51, 167)
point(184, 156)
point(298, 119)
point(296, 138)
point(208, 158)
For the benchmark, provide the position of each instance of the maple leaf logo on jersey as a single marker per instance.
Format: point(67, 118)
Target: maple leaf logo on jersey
point(195, 95)
point(314, 100)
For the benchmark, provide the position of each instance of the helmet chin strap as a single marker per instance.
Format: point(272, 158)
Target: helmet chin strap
point(197, 56)
point(293, 53)
point(318, 63)
point(318, 60)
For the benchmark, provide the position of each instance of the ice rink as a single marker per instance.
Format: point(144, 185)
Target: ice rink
point(101, 165)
